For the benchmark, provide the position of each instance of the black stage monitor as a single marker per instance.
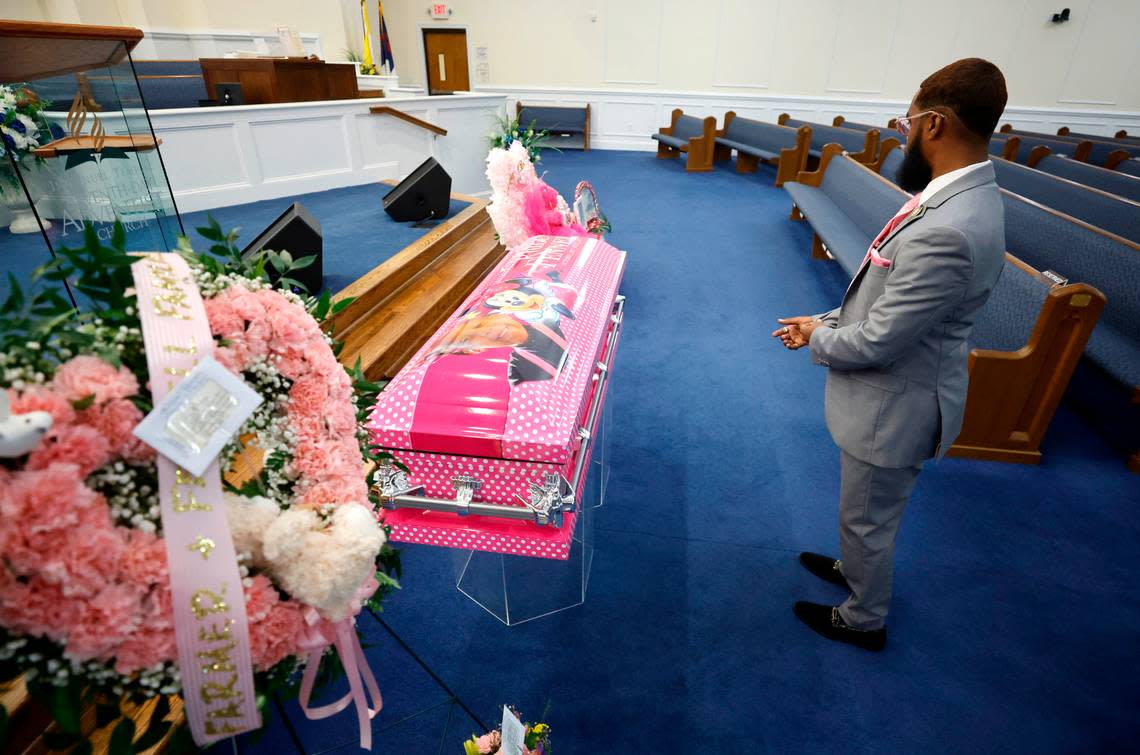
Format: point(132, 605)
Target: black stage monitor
point(228, 93)
point(426, 193)
point(299, 233)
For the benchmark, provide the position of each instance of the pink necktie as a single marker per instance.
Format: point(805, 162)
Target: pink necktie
point(891, 225)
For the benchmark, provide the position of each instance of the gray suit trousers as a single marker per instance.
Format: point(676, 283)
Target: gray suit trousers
point(871, 504)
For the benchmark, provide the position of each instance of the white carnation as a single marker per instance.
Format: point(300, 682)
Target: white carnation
point(324, 566)
point(249, 519)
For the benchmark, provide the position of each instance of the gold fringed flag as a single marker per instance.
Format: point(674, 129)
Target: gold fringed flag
point(367, 67)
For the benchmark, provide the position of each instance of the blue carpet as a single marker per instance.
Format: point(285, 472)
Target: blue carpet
point(1013, 626)
point(358, 235)
point(1015, 617)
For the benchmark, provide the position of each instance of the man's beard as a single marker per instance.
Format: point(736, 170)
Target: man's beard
point(915, 172)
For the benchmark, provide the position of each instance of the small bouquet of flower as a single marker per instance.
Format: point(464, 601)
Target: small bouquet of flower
point(536, 741)
point(522, 204)
point(510, 131)
point(22, 128)
point(87, 573)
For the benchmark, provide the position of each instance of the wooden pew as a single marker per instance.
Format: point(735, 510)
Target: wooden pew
point(1103, 152)
point(864, 150)
point(691, 136)
point(1014, 393)
point(756, 141)
point(1018, 369)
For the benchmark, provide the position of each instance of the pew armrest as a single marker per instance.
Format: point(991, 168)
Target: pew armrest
point(870, 148)
point(1036, 154)
point(728, 118)
point(1013, 395)
point(1116, 157)
point(668, 130)
point(885, 146)
point(815, 177)
point(1009, 152)
point(794, 159)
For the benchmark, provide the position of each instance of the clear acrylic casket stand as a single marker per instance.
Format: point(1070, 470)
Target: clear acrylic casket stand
point(517, 589)
point(498, 428)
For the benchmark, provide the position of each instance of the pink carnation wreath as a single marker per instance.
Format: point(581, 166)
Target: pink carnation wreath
point(84, 587)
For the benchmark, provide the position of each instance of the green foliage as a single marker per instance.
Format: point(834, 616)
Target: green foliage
point(122, 738)
point(224, 256)
point(509, 130)
point(181, 741)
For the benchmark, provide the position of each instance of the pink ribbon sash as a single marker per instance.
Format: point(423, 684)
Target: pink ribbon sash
point(210, 623)
point(356, 669)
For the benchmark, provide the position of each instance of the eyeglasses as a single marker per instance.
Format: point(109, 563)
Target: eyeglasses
point(902, 123)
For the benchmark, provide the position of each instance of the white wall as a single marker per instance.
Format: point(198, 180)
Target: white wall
point(878, 49)
point(324, 18)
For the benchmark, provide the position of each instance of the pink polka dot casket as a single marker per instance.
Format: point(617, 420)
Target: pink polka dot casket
point(493, 419)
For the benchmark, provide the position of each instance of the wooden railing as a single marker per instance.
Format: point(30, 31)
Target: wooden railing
point(389, 110)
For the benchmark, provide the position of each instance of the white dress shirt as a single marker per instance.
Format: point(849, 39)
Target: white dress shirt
point(938, 184)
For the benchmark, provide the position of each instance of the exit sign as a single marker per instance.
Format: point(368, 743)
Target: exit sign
point(440, 10)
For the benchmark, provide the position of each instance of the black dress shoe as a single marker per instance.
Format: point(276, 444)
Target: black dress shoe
point(824, 567)
point(826, 621)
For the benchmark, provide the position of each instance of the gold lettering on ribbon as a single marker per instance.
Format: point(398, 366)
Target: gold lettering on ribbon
point(180, 371)
point(169, 303)
point(225, 728)
point(218, 652)
point(212, 691)
point(230, 711)
point(183, 479)
point(214, 634)
point(219, 659)
point(203, 545)
point(191, 349)
point(217, 603)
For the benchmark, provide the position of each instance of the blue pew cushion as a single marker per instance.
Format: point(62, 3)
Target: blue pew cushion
point(891, 164)
point(1117, 352)
point(1114, 182)
point(867, 200)
point(671, 141)
point(1006, 321)
point(846, 241)
point(1131, 167)
point(561, 120)
point(1050, 242)
point(1103, 211)
point(747, 148)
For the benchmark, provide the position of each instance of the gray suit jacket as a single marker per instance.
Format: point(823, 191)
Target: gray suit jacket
point(896, 348)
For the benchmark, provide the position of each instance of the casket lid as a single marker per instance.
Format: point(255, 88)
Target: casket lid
point(507, 374)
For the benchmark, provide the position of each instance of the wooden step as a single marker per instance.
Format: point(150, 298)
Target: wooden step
point(400, 306)
point(30, 723)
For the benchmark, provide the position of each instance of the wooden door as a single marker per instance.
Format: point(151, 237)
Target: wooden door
point(445, 51)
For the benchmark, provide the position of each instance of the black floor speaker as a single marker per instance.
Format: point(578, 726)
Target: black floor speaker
point(297, 232)
point(426, 193)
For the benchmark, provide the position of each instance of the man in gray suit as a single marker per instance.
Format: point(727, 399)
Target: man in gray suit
point(896, 350)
